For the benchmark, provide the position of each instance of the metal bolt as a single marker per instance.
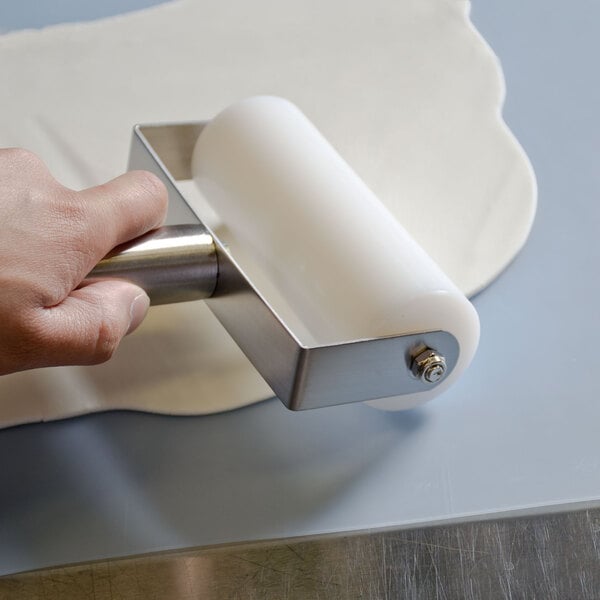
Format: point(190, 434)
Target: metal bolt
point(428, 366)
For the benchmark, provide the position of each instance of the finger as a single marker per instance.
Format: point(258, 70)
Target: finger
point(121, 210)
point(87, 327)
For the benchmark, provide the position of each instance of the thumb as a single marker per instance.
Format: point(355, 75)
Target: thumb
point(88, 325)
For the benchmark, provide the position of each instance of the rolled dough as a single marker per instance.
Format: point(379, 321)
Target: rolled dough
point(408, 93)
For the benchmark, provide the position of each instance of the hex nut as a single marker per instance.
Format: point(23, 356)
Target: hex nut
point(428, 366)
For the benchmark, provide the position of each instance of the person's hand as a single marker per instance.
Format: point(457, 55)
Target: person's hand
point(50, 239)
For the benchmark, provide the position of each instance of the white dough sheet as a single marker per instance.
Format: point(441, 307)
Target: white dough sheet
point(408, 93)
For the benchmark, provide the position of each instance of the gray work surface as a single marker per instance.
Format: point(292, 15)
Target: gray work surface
point(518, 432)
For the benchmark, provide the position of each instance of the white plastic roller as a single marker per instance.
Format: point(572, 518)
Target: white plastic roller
point(325, 253)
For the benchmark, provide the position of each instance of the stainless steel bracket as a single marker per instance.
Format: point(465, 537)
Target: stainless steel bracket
point(302, 377)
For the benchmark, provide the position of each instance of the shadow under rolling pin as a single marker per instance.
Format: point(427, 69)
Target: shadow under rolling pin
point(403, 337)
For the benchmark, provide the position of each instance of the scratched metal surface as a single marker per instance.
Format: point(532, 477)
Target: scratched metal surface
point(549, 557)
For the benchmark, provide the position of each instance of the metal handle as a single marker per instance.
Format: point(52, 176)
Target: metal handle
point(175, 263)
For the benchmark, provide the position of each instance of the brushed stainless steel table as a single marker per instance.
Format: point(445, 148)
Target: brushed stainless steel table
point(553, 557)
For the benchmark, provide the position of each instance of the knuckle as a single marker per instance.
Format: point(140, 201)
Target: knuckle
point(20, 156)
point(72, 235)
point(87, 337)
point(25, 165)
point(74, 218)
point(23, 170)
point(150, 185)
point(107, 341)
point(70, 205)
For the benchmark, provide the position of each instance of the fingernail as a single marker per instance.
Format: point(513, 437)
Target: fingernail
point(137, 311)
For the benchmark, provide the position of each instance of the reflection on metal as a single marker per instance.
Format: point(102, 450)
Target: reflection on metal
point(176, 263)
point(429, 365)
point(551, 557)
